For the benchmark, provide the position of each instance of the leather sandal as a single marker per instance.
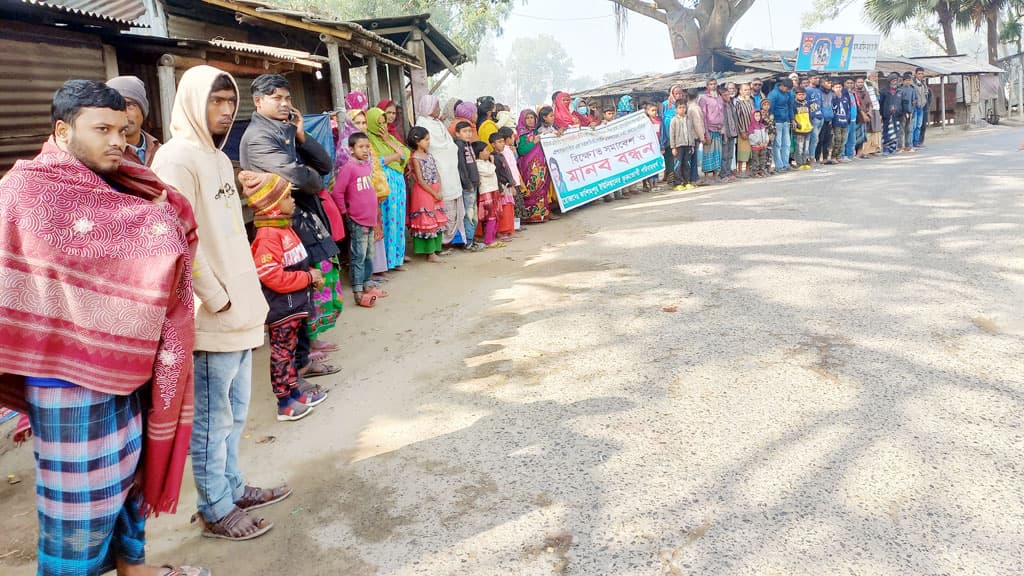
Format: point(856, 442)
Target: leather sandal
point(253, 497)
point(316, 369)
point(237, 526)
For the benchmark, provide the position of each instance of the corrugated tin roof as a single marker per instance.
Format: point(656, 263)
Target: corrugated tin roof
point(320, 20)
point(444, 44)
point(954, 65)
point(662, 83)
point(120, 11)
point(283, 54)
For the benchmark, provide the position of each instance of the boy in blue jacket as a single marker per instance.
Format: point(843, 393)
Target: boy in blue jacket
point(840, 122)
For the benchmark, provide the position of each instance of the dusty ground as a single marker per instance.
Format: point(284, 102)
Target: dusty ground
point(816, 374)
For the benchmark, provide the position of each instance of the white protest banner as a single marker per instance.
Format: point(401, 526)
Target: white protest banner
point(589, 163)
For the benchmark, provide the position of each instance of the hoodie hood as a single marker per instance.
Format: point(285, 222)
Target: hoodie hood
point(188, 117)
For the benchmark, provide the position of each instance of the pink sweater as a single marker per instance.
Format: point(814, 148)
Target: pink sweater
point(354, 193)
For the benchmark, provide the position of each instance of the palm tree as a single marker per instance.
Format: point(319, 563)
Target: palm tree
point(888, 14)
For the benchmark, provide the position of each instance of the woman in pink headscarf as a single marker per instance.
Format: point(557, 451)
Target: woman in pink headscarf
point(357, 101)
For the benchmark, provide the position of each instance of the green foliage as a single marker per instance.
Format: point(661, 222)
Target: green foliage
point(540, 65)
point(466, 22)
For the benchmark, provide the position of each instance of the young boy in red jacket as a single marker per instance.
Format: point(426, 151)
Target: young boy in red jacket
point(283, 267)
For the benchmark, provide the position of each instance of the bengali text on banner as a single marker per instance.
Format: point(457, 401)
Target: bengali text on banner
point(589, 163)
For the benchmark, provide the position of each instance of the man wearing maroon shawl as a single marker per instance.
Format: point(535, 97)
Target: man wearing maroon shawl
point(96, 332)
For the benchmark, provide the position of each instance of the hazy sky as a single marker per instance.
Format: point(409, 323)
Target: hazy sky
point(587, 30)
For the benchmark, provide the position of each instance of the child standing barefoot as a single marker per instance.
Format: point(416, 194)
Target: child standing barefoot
point(427, 217)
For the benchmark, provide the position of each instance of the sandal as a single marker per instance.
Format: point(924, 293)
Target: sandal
point(321, 346)
point(237, 526)
point(376, 291)
point(185, 570)
point(498, 244)
point(254, 498)
point(315, 369)
point(307, 387)
point(366, 300)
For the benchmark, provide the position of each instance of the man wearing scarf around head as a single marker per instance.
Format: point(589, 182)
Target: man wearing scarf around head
point(96, 333)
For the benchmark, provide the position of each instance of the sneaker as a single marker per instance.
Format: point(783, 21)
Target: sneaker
point(295, 410)
point(680, 188)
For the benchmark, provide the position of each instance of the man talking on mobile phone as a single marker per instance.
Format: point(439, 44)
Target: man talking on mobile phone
point(276, 142)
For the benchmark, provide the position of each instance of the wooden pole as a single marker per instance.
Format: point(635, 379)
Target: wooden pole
point(383, 82)
point(1020, 85)
point(337, 84)
point(942, 98)
point(372, 80)
point(166, 82)
point(110, 61)
point(418, 76)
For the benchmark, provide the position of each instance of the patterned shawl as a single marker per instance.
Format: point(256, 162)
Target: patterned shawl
point(96, 289)
point(383, 142)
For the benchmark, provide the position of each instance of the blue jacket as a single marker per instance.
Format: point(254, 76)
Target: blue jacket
point(908, 99)
point(841, 110)
point(814, 102)
point(827, 96)
point(783, 105)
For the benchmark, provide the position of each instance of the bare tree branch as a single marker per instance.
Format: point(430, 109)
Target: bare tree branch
point(644, 8)
point(703, 11)
point(669, 6)
point(741, 6)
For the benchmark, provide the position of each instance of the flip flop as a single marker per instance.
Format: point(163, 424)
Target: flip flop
point(366, 300)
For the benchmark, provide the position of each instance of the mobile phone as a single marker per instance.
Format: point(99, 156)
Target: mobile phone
point(291, 116)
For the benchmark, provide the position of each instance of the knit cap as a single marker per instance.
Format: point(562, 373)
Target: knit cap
point(264, 192)
point(132, 87)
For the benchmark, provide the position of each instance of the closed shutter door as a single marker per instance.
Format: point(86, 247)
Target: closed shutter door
point(33, 68)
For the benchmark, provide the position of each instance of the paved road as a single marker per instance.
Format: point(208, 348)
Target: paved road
point(816, 374)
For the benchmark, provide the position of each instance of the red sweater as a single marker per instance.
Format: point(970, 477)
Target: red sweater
point(275, 249)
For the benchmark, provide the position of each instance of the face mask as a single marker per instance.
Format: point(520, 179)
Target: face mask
point(584, 110)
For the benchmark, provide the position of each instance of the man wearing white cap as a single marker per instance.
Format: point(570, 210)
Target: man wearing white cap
point(141, 146)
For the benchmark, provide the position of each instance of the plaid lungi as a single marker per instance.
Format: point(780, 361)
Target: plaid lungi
point(712, 160)
point(87, 446)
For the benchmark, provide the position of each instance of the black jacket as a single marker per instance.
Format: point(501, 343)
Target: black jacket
point(468, 173)
point(503, 171)
point(270, 146)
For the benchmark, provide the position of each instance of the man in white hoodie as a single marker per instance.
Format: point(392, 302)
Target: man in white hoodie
point(230, 307)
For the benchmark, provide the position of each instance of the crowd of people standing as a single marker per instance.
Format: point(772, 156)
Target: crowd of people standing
point(146, 293)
